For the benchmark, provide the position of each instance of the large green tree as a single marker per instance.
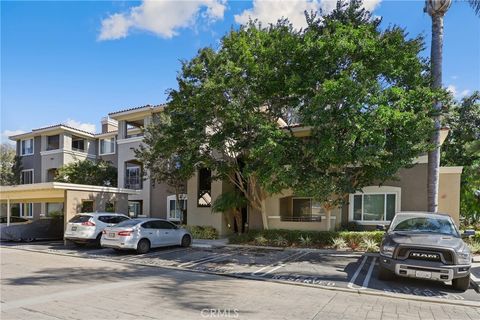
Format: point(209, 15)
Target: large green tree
point(97, 173)
point(10, 165)
point(462, 148)
point(361, 93)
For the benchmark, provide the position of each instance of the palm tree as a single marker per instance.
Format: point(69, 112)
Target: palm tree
point(437, 9)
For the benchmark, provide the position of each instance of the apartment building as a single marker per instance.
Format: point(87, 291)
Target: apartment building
point(46, 149)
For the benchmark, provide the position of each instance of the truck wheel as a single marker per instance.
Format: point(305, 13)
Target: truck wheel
point(461, 284)
point(385, 274)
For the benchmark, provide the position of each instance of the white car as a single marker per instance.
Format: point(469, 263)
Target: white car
point(86, 228)
point(143, 234)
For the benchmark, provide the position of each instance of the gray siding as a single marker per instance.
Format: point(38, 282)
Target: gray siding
point(33, 161)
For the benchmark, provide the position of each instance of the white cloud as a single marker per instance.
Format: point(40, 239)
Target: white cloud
point(464, 93)
point(269, 11)
point(89, 127)
point(452, 89)
point(8, 133)
point(162, 17)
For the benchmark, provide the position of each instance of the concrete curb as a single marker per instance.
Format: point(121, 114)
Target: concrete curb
point(237, 276)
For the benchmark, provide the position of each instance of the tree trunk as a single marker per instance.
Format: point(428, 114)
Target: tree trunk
point(434, 155)
point(264, 215)
point(328, 213)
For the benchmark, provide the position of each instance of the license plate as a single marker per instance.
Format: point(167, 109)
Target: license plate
point(74, 228)
point(111, 235)
point(423, 274)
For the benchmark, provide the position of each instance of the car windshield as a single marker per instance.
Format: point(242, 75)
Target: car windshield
point(129, 223)
point(424, 224)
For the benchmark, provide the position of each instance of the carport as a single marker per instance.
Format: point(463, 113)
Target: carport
point(74, 198)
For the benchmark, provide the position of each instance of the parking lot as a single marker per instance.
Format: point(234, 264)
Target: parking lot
point(341, 270)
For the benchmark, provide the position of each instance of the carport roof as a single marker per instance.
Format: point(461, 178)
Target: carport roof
point(53, 189)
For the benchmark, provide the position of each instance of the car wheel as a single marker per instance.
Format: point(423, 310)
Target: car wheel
point(97, 243)
point(461, 284)
point(385, 274)
point(143, 246)
point(186, 241)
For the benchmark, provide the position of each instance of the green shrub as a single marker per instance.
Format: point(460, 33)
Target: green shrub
point(369, 245)
point(261, 241)
point(202, 232)
point(316, 239)
point(305, 241)
point(474, 246)
point(339, 243)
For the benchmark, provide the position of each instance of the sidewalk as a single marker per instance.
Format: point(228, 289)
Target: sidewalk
point(203, 243)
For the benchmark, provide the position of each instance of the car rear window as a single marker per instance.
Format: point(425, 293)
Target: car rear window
point(129, 223)
point(80, 219)
point(112, 219)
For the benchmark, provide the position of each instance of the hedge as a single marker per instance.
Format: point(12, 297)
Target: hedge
point(321, 239)
point(202, 232)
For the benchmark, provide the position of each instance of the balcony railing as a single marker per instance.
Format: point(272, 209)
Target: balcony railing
point(301, 218)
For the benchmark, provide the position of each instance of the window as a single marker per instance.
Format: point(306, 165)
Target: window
point(78, 144)
point(87, 205)
point(26, 176)
point(300, 209)
point(51, 173)
point(53, 142)
point(54, 208)
point(26, 147)
point(26, 210)
point(135, 208)
point(204, 188)
point(107, 145)
point(173, 213)
point(374, 207)
point(133, 176)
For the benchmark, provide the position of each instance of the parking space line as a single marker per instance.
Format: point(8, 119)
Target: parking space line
point(206, 259)
point(351, 284)
point(369, 274)
point(279, 264)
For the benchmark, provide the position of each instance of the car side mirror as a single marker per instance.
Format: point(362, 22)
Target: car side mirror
point(468, 233)
point(381, 227)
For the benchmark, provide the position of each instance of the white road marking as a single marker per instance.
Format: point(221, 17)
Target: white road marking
point(282, 264)
point(351, 284)
point(206, 259)
point(369, 274)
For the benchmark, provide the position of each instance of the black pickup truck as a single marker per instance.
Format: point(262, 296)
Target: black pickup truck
point(426, 246)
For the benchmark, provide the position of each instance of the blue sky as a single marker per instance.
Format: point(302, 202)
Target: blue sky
point(74, 62)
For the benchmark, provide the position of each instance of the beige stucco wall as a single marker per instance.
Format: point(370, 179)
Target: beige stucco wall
point(73, 202)
point(203, 216)
point(449, 195)
point(272, 206)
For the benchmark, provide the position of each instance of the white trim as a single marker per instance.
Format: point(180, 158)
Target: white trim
point(372, 190)
point(421, 159)
point(21, 204)
point(100, 148)
point(65, 186)
point(33, 176)
point(451, 169)
point(182, 197)
point(129, 140)
point(33, 147)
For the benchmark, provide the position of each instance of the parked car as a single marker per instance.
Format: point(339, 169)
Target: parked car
point(21, 229)
point(426, 246)
point(86, 228)
point(143, 234)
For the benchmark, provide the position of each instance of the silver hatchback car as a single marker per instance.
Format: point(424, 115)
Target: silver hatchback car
point(143, 234)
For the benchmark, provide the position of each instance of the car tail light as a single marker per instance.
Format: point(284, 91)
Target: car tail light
point(88, 223)
point(125, 233)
